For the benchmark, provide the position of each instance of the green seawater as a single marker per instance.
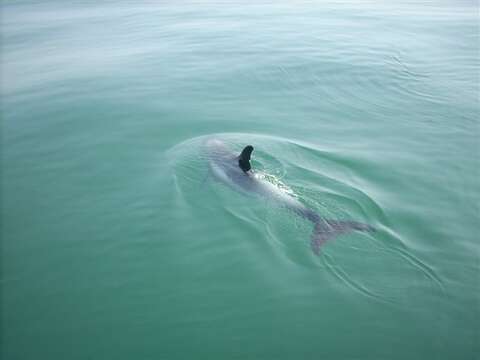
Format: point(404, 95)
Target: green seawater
point(117, 243)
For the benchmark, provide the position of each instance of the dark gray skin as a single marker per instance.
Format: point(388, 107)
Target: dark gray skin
point(235, 171)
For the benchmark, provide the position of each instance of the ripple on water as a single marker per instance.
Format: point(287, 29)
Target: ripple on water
point(319, 178)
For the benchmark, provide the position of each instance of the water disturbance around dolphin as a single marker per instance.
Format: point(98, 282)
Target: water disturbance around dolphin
point(226, 166)
point(232, 168)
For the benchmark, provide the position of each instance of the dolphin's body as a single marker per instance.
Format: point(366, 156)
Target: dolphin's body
point(227, 167)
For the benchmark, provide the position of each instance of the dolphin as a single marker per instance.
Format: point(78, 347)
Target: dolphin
point(235, 171)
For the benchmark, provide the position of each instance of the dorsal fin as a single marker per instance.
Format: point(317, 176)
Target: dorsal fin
point(244, 158)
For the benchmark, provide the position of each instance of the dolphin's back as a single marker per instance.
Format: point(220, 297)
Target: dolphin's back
point(225, 167)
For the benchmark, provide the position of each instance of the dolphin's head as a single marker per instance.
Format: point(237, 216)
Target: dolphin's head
point(244, 158)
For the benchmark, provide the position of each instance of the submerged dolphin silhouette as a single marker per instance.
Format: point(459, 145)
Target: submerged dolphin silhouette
point(235, 171)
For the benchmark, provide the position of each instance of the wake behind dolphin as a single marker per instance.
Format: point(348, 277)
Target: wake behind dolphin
point(235, 171)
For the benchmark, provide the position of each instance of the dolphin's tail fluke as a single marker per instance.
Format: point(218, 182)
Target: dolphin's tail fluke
point(326, 229)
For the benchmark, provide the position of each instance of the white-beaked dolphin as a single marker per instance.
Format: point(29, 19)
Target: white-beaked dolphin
point(235, 171)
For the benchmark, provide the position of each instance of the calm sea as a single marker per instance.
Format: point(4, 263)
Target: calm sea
point(118, 244)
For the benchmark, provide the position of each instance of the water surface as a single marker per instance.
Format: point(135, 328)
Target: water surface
point(117, 244)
